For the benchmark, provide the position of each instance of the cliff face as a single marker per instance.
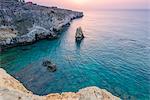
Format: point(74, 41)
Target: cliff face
point(12, 89)
point(22, 23)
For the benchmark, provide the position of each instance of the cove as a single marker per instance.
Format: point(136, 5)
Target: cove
point(114, 55)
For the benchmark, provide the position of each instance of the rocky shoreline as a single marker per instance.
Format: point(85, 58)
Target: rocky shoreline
point(12, 89)
point(25, 23)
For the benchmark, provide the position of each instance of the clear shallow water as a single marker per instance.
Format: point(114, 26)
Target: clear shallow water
point(115, 55)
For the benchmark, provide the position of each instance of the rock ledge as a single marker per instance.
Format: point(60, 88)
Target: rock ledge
point(12, 89)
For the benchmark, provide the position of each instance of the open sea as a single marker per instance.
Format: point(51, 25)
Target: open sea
point(114, 55)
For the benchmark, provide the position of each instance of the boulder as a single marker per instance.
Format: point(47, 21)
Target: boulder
point(79, 34)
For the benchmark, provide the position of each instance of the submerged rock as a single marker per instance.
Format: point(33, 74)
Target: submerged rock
point(46, 63)
point(79, 34)
point(50, 66)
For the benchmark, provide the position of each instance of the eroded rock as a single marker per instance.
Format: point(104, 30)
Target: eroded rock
point(79, 34)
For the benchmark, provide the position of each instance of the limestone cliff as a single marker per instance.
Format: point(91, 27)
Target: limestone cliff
point(22, 23)
point(12, 89)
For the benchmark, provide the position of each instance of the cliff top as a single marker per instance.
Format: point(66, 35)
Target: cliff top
point(12, 89)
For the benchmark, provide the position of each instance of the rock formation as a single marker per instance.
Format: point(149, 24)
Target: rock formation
point(22, 23)
point(79, 34)
point(11, 89)
point(50, 66)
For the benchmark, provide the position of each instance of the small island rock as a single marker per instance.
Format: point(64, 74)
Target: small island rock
point(79, 34)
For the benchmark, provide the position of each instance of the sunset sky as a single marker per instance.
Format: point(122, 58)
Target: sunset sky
point(96, 4)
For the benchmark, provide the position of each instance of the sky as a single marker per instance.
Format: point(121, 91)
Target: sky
point(95, 4)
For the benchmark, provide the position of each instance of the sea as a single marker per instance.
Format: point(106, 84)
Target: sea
point(114, 55)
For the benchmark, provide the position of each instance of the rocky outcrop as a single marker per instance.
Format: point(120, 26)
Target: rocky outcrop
point(11, 89)
point(22, 23)
point(79, 34)
point(6, 81)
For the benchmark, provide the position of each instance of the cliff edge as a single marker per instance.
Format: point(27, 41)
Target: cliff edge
point(26, 22)
point(12, 89)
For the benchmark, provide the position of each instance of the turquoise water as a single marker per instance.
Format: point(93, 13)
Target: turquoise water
point(115, 55)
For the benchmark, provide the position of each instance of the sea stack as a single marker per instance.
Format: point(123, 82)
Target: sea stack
point(79, 34)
